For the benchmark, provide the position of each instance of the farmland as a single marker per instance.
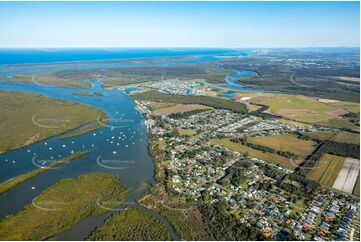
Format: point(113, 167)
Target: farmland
point(285, 143)
point(203, 100)
point(179, 108)
point(266, 156)
point(309, 110)
point(327, 169)
point(347, 177)
point(342, 137)
point(187, 132)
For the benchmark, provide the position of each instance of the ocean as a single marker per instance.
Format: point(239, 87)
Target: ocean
point(31, 56)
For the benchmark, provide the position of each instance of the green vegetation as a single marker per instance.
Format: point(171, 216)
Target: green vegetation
point(62, 205)
point(187, 132)
point(203, 100)
point(340, 123)
point(328, 147)
point(266, 156)
point(29, 118)
point(12, 182)
point(342, 137)
point(187, 114)
point(285, 143)
point(83, 94)
point(225, 227)
point(98, 93)
point(335, 165)
point(309, 80)
point(82, 130)
point(50, 79)
point(186, 223)
point(131, 225)
point(327, 169)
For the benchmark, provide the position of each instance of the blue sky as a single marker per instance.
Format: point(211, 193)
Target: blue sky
point(179, 24)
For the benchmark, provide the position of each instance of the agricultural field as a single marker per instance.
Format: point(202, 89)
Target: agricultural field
point(340, 123)
point(309, 110)
point(266, 156)
point(327, 169)
point(342, 137)
point(131, 225)
point(38, 112)
point(287, 143)
point(347, 177)
point(69, 200)
point(178, 108)
point(295, 123)
point(187, 132)
point(202, 100)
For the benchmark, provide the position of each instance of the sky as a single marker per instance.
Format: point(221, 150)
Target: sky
point(179, 24)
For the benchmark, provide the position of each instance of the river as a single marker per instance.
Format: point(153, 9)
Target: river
point(123, 139)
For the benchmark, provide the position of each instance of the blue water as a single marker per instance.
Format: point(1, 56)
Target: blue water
point(122, 140)
point(130, 89)
point(130, 134)
point(23, 56)
point(233, 84)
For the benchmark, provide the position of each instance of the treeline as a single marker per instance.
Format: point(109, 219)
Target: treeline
point(304, 188)
point(262, 148)
point(235, 174)
point(203, 100)
point(226, 227)
point(328, 147)
point(186, 114)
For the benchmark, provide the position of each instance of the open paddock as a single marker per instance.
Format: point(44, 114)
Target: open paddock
point(327, 169)
point(266, 156)
point(347, 177)
point(286, 143)
point(179, 108)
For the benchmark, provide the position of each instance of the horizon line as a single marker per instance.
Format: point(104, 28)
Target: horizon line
point(160, 47)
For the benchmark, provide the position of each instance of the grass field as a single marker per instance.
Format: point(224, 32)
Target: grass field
point(285, 142)
point(266, 156)
point(187, 132)
point(202, 100)
point(131, 225)
point(327, 169)
point(340, 123)
point(342, 137)
point(310, 110)
point(41, 118)
point(292, 105)
point(61, 205)
point(179, 108)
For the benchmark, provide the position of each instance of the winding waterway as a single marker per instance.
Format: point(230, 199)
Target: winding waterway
point(123, 140)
